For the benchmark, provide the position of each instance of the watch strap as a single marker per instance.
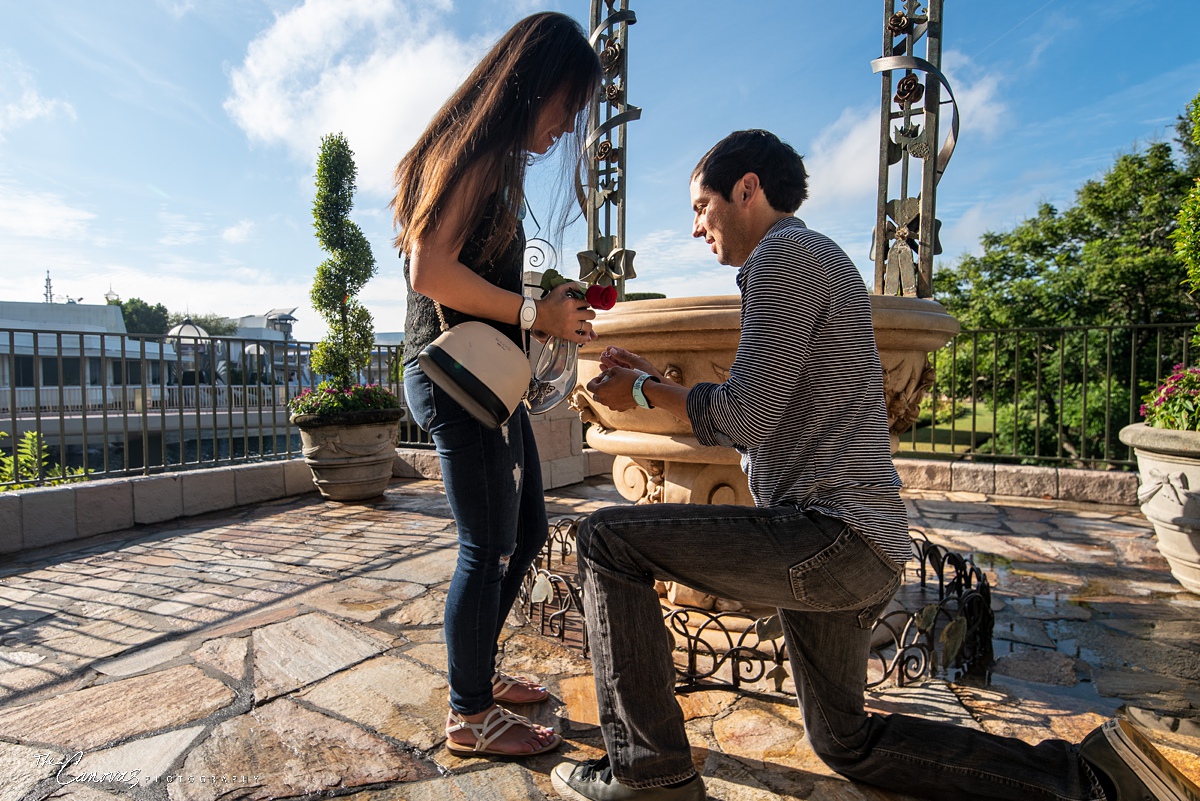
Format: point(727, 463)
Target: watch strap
point(639, 397)
point(528, 314)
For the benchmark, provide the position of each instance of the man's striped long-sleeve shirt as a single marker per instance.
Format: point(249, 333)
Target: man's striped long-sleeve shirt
point(804, 399)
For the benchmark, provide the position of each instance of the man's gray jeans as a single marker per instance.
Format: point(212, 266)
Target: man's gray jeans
point(830, 584)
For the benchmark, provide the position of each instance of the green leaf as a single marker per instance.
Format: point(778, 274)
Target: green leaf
point(952, 639)
point(552, 278)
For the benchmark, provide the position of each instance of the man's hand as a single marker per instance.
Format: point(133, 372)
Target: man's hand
point(614, 387)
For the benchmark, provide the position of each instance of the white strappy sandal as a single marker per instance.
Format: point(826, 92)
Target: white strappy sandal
point(498, 721)
point(502, 685)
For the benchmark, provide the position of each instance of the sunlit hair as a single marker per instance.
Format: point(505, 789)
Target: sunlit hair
point(486, 126)
point(779, 168)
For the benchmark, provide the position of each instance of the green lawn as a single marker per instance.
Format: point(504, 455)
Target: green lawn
point(938, 439)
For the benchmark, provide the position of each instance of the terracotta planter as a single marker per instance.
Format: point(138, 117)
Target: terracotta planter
point(1168, 467)
point(350, 454)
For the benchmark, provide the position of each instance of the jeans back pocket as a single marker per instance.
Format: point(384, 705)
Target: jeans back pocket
point(848, 574)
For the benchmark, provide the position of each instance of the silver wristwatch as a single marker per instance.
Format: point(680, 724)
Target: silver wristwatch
point(528, 313)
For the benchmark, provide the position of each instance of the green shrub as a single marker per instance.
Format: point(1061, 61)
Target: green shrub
point(31, 460)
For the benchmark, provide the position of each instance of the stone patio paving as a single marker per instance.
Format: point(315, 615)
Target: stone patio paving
point(293, 649)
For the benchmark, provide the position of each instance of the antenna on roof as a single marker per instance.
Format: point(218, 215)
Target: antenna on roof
point(49, 291)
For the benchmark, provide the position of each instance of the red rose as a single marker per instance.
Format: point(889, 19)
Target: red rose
point(601, 297)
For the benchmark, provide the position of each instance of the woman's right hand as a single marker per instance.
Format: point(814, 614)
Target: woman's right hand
point(612, 356)
point(563, 313)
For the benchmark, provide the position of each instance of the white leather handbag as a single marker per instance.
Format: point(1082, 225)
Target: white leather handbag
point(482, 369)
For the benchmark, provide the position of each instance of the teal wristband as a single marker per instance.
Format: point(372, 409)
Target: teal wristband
point(639, 397)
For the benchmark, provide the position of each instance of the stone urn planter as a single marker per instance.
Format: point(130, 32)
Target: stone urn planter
point(695, 339)
point(350, 453)
point(1168, 467)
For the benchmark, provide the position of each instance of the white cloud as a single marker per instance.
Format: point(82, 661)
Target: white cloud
point(376, 70)
point(179, 230)
point(843, 164)
point(40, 215)
point(980, 110)
point(20, 101)
point(989, 214)
point(677, 265)
point(177, 8)
point(239, 233)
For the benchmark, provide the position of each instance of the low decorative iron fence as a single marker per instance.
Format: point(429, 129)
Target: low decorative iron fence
point(939, 624)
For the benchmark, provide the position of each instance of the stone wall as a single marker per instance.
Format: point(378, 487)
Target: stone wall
point(559, 435)
point(1051, 483)
point(34, 518)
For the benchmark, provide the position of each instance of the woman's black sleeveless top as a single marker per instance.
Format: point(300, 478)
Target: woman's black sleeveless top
point(505, 270)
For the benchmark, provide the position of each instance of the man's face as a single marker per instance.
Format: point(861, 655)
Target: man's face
point(721, 223)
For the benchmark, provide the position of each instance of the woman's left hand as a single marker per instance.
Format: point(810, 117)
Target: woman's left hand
point(565, 314)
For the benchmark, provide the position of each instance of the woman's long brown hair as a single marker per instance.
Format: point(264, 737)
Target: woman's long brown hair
point(486, 126)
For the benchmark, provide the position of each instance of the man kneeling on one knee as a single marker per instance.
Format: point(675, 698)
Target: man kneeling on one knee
point(826, 541)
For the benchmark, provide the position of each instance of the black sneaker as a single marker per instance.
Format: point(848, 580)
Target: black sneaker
point(593, 781)
point(1136, 770)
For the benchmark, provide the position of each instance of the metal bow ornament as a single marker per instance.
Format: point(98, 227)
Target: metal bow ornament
point(605, 264)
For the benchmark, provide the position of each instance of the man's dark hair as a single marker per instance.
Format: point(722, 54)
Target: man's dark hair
point(779, 168)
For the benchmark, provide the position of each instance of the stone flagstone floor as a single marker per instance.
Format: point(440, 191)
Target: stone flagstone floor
point(293, 650)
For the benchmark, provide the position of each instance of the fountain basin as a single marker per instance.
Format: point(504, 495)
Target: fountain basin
point(694, 340)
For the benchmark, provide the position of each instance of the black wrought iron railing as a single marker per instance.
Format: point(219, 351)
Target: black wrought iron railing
point(1052, 396)
point(76, 405)
point(91, 405)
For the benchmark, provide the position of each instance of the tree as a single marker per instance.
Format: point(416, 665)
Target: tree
point(1187, 235)
point(217, 325)
point(142, 318)
point(346, 349)
point(1107, 260)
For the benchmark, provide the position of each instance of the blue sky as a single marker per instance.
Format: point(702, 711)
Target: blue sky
point(166, 147)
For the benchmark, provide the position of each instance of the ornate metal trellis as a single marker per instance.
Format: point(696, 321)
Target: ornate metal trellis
point(607, 260)
point(906, 226)
point(936, 628)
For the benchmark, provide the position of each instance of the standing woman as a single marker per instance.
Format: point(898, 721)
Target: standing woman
point(458, 208)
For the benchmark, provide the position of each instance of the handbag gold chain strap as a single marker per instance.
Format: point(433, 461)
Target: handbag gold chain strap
point(441, 317)
point(445, 327)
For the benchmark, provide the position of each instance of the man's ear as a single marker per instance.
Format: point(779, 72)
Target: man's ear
point(745, 189)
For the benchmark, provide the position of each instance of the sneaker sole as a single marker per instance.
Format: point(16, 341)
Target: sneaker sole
point(1155, 770)
point(565, 790)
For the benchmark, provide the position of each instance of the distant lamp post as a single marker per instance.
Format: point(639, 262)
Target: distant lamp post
point(192, 342)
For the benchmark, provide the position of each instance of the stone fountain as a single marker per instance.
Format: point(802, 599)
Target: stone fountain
point(657, 460)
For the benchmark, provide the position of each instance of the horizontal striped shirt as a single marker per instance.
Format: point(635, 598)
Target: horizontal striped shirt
point(804, 399)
